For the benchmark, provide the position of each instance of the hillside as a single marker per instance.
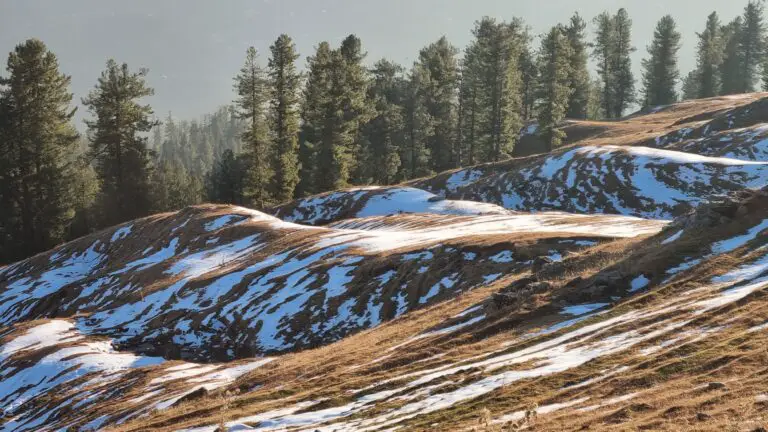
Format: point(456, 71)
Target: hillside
point(668, 334)
point(616, 284)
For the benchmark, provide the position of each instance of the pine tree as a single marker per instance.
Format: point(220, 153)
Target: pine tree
point(384, 133)
point(660, 72)
point(118, 145)
point(752, 45)
point(173, 188)
point(284, 117)
point(692, 85)
point(250, 85)
point(357, 112)
point(415, 155)
point(529, 75)
point(622, 64)
point(510, 119)
point(554, 87)
point(438, 68)
point(86, 192)
point(579, 74)
point(471, 101)
point(612, 50)
point(595, 101)
point(731, 70)
point(315, 98)
point(37, 179)
point(491, 93)
point(603, 51)
point(709, 58)
point(225, 183)
point(344, 114)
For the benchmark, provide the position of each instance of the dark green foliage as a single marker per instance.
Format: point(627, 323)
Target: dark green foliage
point(345, 112)
point(730, 70)
point(709, 58)
point(595, 104)
point(37, 179)
point(744, 50)
point(384, 133)
point(284, 116)
point(691, 85)
point(554, 87)
point(414, 154)
point(354, 102)
point(118, 147)
point(612, 50)
point(529, 75)
point(660, 72)
point(173, 188)
point(578, 74)
point(225, 183)
point(603, 49)
point(752, 45)
point(622, 64)
point(315, 98)
point(491, 96)
point(437, 69)
point(251, 89)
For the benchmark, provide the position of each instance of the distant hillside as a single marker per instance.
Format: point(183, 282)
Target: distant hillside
point(656, 165)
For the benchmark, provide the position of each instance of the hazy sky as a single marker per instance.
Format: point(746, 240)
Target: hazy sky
point(193, 48)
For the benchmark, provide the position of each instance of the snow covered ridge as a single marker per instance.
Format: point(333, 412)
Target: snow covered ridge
point(738, 132)
point(218, 282)
point(636, 181)
point(377, 201)
point(54, 377)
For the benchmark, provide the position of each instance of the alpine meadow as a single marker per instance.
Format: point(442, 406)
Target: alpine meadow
point(525, 230)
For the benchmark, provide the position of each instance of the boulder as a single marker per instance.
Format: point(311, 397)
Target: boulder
point(197, 394)
point(537, 287)
point(540, 262)
point(502, 300)
point(519, 284)
point(609, 279)
point(716, 386)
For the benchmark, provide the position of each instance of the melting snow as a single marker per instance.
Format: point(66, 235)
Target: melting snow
point(734, 243)
point(673, 237)
point(583, 309)
point(639, 283)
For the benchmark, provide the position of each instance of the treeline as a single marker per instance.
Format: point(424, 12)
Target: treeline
point(337, 123)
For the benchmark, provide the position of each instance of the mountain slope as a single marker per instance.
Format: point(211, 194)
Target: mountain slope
point(223, 283)
point(457, 302)
point(662, 347)
point(656, 165)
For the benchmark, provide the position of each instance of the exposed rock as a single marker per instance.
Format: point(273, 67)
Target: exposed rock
point(575, 282)
point(716, 386)
point(197, 394)
point(519, 284)
point(503, 300)
point(540, 262)
point(609, 279)
point(538, 287)
point(703, 416)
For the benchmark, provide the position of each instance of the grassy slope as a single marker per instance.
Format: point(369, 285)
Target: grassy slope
point(642, 361)
point(680, 344)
